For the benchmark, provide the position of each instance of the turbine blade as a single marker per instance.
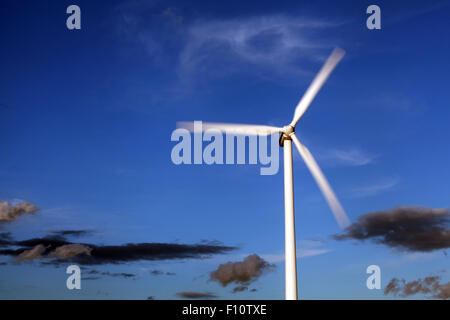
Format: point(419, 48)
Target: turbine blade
point(317, 83)
point(333, 202)
point(244, 129)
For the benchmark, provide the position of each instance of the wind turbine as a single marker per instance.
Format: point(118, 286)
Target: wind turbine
point(287, 135)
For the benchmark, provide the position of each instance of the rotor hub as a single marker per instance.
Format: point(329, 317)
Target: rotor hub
point(286, 134)
point(288, 130)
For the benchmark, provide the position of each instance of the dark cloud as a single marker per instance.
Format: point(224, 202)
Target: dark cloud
point(5, 239)
point(90, 278)
point(253, 290)
point(242, 272)
point(156, 272)
point(51, 242)
point(148, 251)
point(5, 236)
point(195, 295)
point(61, 250)
point(10, 213)
point(107, 273)
point(93, 271)
point(211, 242)
point(429, 286)
point(240, 289)
point(159, 273)
point(47, 248)
point(403, 228)
point(119, 274)
point(11, 252)
point(73, 233)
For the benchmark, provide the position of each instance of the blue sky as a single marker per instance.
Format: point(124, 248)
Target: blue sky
point(87, 115)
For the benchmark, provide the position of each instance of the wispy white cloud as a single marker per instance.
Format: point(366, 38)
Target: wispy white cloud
point(373, 189)
point(275, 43)
point(386, 101)
point(301, 253)
point(306, 248)
point(278, 42)
point(352, 157)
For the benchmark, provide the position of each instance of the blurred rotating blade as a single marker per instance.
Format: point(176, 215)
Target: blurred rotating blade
point(232, 128)
point(333, 202)
point(317, 83)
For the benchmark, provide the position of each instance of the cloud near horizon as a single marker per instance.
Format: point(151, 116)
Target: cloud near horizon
point(241, 272)
point(195, 295)
point(107, 273)
point(414, 229)
point(73, 233)
point(5, 238)
point(9, 213)
point(160, 273)
point(58, 250)
point(430, 286)
point(31, 254)
point(70, 250)
point(239, 289)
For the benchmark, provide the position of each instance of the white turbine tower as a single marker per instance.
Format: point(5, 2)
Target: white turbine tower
point(286, 138)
